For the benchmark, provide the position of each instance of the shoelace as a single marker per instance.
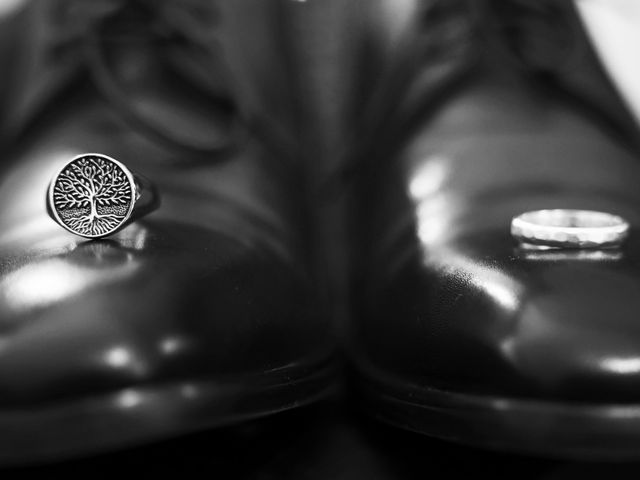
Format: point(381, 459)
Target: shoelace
point(184, 25)
point(78, 33)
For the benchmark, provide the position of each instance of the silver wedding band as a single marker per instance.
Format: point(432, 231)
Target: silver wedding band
point(564, 228)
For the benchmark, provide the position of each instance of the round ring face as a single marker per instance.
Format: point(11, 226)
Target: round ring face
point(92, 195)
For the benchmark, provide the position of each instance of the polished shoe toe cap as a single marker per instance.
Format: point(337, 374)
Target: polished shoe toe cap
point(484, 316)
point(158, 303)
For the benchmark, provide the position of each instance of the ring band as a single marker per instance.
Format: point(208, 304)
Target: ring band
point(95, 196)
point(562, 228)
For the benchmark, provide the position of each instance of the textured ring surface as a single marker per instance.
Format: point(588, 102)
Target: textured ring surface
point(563, 228)
point(93, 195)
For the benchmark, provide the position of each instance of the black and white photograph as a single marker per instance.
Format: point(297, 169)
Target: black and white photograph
point(320, 239)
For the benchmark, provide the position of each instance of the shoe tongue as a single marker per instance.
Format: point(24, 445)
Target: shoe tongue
point(195, 51)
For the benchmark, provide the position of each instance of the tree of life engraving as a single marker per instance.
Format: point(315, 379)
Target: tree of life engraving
point(92, 196)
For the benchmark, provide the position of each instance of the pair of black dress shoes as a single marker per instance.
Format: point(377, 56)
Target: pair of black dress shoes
point(212, 311)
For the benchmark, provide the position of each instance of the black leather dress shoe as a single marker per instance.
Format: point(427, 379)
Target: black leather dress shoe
point(461, 334)
point(205, 312)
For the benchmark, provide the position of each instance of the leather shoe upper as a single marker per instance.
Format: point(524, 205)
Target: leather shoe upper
point(212, 285)
point(445, 298)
